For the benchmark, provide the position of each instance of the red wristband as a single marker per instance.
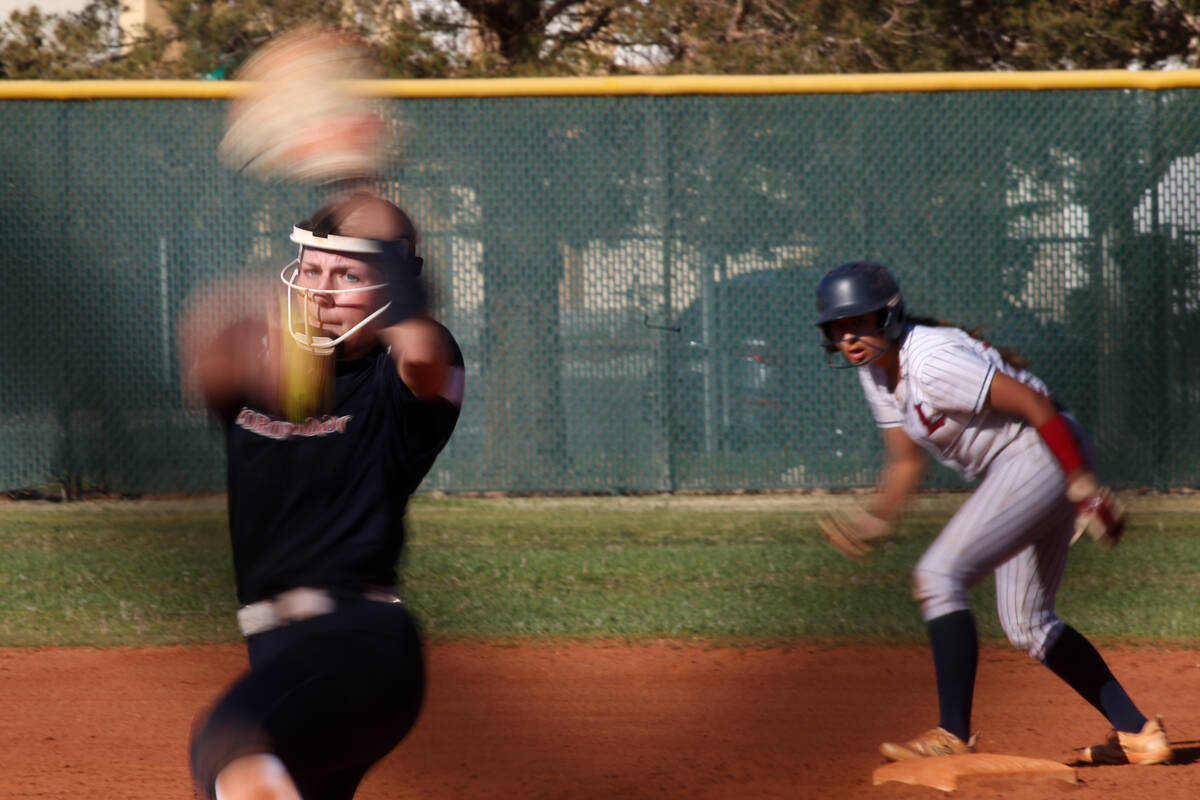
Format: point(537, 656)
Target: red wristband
point(1059, 437)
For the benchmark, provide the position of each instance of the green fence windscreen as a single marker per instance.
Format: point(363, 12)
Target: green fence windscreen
point(630, 277)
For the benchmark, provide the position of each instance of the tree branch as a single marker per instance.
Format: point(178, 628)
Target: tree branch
point(584, 34)
point(548, 14)
point(733, 27)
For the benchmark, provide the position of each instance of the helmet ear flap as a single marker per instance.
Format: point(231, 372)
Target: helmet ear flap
point(826, 338)
point(894, 319)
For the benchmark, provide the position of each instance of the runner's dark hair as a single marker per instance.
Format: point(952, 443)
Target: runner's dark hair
point(1011, 357)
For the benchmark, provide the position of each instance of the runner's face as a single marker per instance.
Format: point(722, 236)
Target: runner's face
point(858, 338)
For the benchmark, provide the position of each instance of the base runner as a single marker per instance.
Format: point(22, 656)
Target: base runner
point(935, 387)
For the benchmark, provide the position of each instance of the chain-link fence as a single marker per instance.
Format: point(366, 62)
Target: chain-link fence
point(630, 277)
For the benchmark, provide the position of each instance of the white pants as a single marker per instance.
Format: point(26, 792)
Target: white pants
point(1018, 522)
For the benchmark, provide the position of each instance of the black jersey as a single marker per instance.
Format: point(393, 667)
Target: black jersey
point(321, 503)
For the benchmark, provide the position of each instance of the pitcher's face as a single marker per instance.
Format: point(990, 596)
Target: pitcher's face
point(338, 292)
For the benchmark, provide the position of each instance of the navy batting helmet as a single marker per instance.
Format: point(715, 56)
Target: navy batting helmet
point(856, 288)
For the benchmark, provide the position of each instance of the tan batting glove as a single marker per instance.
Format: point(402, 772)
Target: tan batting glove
point(1097, 511)
point(853, 532)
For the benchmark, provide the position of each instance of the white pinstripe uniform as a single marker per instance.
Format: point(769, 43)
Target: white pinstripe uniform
point(1018, 522)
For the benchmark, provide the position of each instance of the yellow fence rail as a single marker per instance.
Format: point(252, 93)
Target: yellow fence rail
point(637, 85)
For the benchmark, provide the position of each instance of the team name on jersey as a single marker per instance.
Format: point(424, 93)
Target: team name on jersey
point(263, 425)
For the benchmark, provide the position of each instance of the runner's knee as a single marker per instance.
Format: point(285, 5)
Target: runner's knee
point(938, 593)
point(1030, 636)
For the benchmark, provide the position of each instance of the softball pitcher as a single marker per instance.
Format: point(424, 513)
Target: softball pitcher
point(325, 446)
point(936, 388)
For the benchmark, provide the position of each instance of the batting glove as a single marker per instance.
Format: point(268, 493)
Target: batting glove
point(854, 532)
point(1097, 511)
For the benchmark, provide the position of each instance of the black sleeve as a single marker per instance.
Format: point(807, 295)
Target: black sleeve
point(425, 425)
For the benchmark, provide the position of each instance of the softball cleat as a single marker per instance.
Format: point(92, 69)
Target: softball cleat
point(931, 743)
point(1150, 746)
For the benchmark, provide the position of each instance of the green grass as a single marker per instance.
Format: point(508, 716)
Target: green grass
point(105, 574)
point(735, 569)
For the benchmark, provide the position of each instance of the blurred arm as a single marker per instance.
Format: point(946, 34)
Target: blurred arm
point(422, 354)
point(230, 368)
point(901, 474)
point(220, 338)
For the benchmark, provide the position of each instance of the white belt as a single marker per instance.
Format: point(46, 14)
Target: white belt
point(295, 605)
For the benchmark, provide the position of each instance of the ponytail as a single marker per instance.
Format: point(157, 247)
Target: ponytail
point(1011, 357)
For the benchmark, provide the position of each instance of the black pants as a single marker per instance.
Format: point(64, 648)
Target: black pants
point(329, 696)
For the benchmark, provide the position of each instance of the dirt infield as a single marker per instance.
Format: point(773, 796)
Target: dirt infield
point(590, 721)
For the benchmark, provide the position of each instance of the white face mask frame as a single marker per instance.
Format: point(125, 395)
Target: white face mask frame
point(304, 333)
